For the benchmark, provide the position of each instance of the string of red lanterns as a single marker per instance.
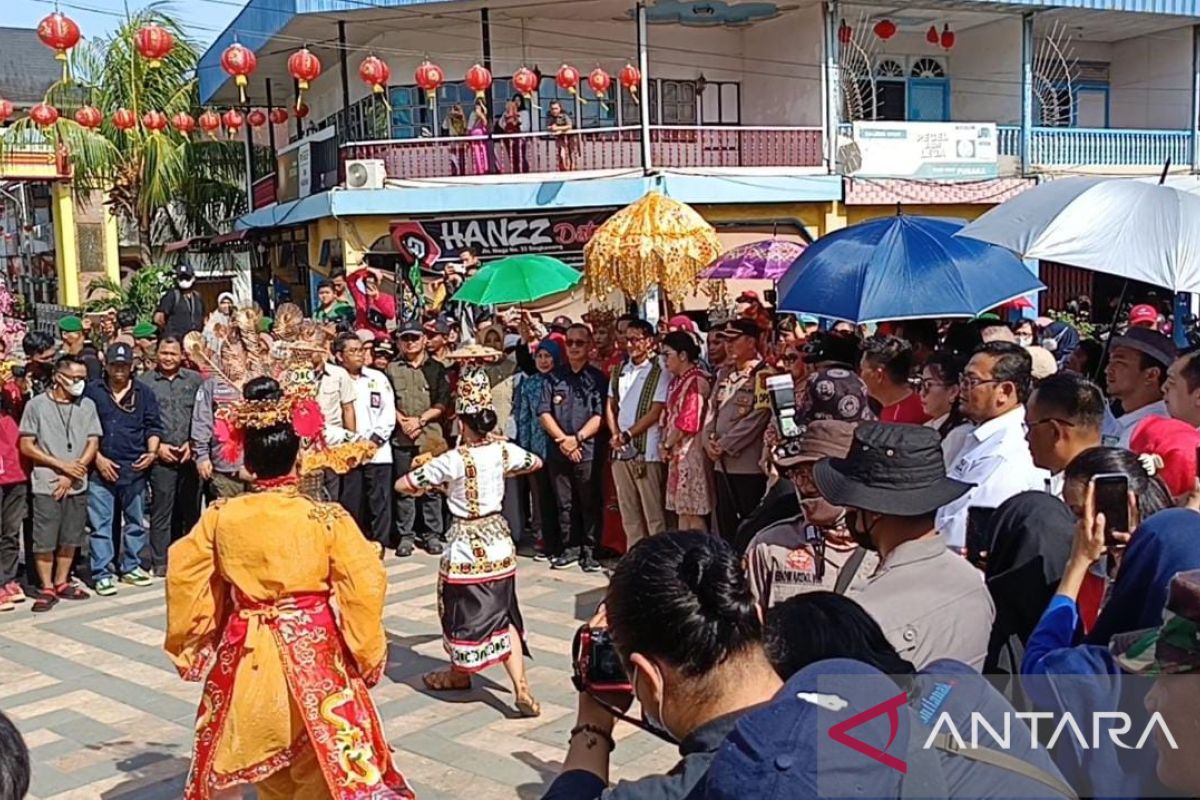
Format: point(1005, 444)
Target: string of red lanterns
point(154, 43)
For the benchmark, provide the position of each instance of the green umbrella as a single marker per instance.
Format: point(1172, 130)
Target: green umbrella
point(517, 279)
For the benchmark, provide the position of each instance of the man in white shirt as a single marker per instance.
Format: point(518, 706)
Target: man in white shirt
point(367, 490)
point(1181, 392)
point(1136, 372)
point(636, 397)
point(336, 397)
point(995, 456)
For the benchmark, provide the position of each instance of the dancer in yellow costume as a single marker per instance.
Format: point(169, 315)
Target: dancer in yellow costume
point(250, 610)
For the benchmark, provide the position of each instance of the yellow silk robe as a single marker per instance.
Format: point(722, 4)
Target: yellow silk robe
point(269, 545)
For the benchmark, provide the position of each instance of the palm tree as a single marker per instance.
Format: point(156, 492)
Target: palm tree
point(169, 185)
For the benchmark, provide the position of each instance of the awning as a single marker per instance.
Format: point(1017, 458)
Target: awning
point(229, 238)
point(185, 244)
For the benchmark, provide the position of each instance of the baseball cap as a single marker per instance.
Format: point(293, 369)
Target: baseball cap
point(70, 324)
point(119, 353)
point(438, 325)
point(1143, 315)
point(741, 327)
point(384, 348)
point(410, 326)
point(1150, 342)
point(682, 322)
point(561, 322)
point(748, 296)
point(184, 271)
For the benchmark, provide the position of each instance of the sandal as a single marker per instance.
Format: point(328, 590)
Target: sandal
point(446, 680)
point(70, 591)
point(46, 600)
point(526, 704)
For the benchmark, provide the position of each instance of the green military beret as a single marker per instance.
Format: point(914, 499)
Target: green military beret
point(70, 324)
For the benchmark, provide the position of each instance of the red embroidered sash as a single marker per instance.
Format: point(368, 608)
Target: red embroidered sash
point(341, 722)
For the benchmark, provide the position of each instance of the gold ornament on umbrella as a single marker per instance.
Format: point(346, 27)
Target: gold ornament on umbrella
point(656, 240)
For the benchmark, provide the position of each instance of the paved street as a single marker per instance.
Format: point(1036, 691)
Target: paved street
point(105, 715)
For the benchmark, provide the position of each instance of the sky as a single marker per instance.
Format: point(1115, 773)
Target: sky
point(204, 19)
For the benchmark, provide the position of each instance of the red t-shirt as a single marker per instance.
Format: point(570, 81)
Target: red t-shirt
point(907, 411)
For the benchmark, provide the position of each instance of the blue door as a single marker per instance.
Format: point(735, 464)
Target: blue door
point(928, 99)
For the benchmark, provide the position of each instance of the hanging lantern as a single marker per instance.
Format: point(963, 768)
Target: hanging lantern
point(601, 82)
point(239, 61)
point(279, 116)
point(568, 79)
point(479, 80)
point(154, 43)
point(302, 111)
point(44, 114)
point(60, 33)
point(885, 29)
point(430, 77)
point(154, 121)
point(89, 117)
point(845, 33)
point(124, 120)
point(6, 110)
point(631, 78)
point(305, 68)
point(234, 121)
point(257, 118)
point(947, 40)
point(525, 82)
point(931, 35)
point(184, 123)
point(210, 123)
point(374, 72)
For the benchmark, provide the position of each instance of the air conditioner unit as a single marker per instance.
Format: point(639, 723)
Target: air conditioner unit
point(367, 173)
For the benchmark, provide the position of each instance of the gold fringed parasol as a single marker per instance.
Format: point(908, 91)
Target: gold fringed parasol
point(655, 240)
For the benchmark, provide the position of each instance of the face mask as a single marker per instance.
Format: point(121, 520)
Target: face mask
point(75, 389)
point(186, 283)
point(653, 724)
point(1025, 341)
point(822, 513)
point(861, 536)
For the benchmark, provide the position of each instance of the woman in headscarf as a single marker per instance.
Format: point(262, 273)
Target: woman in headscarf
point(223, 316)
point(531, 436)
point(1030, 542)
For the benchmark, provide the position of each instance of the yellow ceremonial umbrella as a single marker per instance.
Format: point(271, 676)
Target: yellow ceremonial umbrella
point(656, 240)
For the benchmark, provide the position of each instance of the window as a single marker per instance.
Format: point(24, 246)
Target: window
point(679, 102)
point(593, 115)
point(631, 110)
point(411, 116)
point(720, 103)
point(903, 89)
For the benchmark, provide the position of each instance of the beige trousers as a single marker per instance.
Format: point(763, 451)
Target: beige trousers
point(641, 495)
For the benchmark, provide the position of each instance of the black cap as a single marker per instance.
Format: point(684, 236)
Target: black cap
point(384, 348)
point(119, 353)
point(742, 327)
point(184, 271)
point(438, 325)
point(1150, 342)
point(410, 326)
point(561, 323)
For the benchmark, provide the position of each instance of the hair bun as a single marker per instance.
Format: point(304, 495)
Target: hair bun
point(702, 575)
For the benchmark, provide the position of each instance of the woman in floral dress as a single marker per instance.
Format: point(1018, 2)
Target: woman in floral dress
point(687, 481)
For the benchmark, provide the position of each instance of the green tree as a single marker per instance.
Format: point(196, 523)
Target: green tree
point(169, 185)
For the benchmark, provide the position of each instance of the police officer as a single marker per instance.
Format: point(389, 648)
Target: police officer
point(422, 397)
point(736, 421)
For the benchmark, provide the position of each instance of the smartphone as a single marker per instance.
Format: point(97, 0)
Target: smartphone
point(782, 391)
point(979, 534)
point(1198, 462)
point(1110, 493)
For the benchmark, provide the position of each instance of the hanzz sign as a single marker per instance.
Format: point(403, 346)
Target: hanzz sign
point(562, 235)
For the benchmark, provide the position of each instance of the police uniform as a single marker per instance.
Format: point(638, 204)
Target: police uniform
point(737, 417)
point(418, 388)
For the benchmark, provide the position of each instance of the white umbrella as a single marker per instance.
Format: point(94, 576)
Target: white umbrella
point(1134, 229)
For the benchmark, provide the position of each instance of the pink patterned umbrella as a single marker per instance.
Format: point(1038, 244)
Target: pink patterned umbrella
point(765, 260)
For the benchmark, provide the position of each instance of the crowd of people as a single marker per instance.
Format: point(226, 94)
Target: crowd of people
point(777, 500)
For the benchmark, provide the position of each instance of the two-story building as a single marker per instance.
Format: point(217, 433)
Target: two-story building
point(795, 117)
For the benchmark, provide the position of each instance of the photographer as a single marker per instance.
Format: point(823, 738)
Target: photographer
point(684, 625)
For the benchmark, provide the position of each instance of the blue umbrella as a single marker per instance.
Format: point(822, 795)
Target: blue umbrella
point(902, 267)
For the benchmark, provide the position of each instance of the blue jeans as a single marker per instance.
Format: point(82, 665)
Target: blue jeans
point(103, 500)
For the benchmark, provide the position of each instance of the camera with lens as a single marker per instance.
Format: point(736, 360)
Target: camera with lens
point(597, 666)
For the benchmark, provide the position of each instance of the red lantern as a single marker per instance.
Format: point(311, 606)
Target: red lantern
point(845, 33)
point(239, 61)
point(302, 111)
point(154, 43)
point(257, 118)
point(44, 114)
point(305, 68)
point(58, 32)
point(183, 123)
point(430, 77)
point(631, 78)
point(6, 110)
point(601, 82)
point(124, 120)
point(947, 39)
point(279, 116)
point(931, 35)
point(568, 79)
point(155, 121)
point(885, 29)
point(374, 72)
point(479, 80)
point(525, 81)
point(233, 120)
point(210, 123)
point(89, 117)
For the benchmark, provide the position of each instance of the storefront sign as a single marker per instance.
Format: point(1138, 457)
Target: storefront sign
point(928, 150)
point(306, 166)
point(562, 235)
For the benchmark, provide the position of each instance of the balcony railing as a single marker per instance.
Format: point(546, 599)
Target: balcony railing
point(1109, 147)
point(679, 147)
